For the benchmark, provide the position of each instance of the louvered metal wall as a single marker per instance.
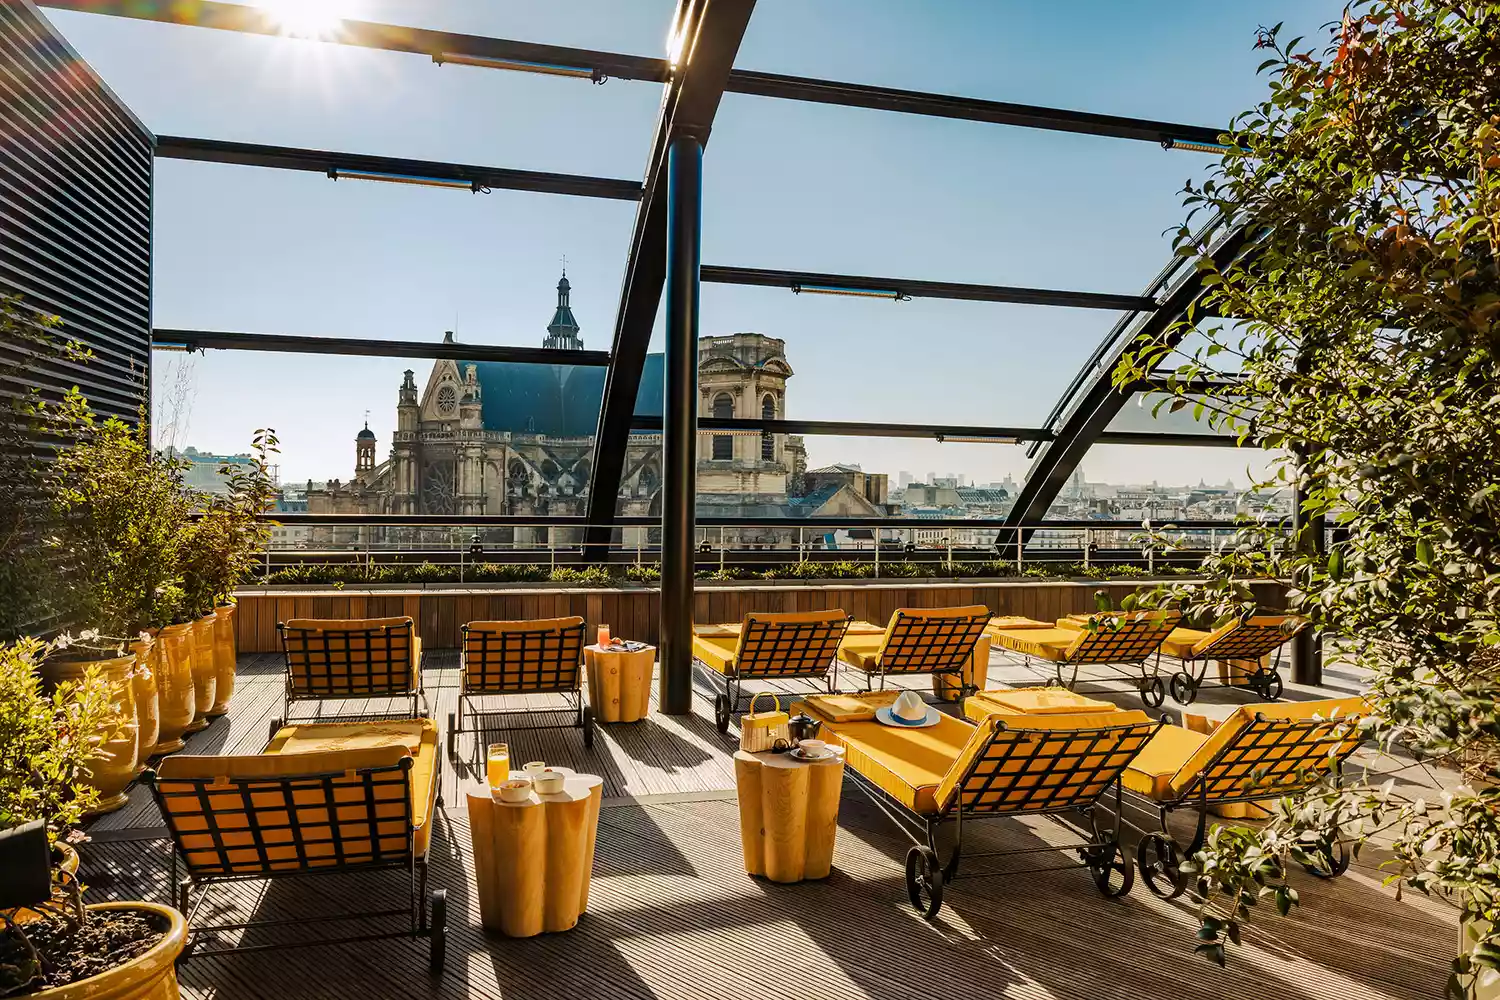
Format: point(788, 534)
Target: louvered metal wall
point(75, 211)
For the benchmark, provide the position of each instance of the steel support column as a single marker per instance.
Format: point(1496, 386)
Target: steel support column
point(1309, 533)
point(680, 421)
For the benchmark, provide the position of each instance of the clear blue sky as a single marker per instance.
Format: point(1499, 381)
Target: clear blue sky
point(787, 185)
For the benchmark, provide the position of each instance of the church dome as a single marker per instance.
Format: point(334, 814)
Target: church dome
point(365, 435)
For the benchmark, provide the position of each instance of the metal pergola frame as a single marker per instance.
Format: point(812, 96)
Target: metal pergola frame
point(663, 258)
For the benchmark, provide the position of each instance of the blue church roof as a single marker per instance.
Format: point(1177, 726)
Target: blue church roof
point(555, 400)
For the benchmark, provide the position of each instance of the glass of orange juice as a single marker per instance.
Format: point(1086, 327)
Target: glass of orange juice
point(497, 765)
point(603, 635)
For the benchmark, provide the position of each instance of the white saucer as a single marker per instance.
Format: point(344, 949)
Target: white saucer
point(797, 754)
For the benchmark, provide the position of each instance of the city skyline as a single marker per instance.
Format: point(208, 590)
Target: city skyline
point(238, 248)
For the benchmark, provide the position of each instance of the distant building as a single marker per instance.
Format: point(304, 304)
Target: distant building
point(204, 471)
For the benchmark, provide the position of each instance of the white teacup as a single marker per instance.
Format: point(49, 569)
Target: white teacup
point(515, 790)
point(534, 768)
point(550, 782)
point(812, 748)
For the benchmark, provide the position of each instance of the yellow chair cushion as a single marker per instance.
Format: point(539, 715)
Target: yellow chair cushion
point(716, 652)
point(417, 738)
point(1015, 622)
point(1181, 641)
point(358, 624)
point(534, 625)
point(1151, 772)
point(1043, 643)
point(1033, 701)
point(862, 651)
point(1063, 769)
point(1326, 708)
point(906, 763)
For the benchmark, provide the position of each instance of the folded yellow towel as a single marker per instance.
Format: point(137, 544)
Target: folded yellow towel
point(849, 707)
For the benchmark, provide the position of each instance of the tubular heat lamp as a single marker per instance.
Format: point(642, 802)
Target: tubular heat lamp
point(519, 66)
point(341, 174)
point(863, 293)
point(1193, 147)
point(976, 439)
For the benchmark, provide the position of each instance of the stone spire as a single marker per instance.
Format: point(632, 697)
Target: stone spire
point(562, 332)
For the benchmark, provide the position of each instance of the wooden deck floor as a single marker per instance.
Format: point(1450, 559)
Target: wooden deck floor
point(672, 913)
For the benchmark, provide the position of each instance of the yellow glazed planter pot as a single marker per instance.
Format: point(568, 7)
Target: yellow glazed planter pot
point(205, 674)
point(224, 659)
point(147, 701)
point(174, 686)
point(152, 976)
point(115, 766)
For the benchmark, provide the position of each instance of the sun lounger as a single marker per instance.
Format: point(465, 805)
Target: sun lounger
point(798, 645)
point(499, 659)
point(1259, 752)
point(943, 642)
point(1242, 639)
point(1033, 701)
point(359, 658)
point(1127, 643)
point(320, 799)
point(953, 772)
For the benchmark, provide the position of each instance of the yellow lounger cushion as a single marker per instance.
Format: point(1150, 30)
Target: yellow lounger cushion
point(1016, 622)
point(294, 742)
point(534, 625)
point(862, 651)
point(1033, 701)
point(908, 764)
point(716, 652)
point(1043, 643)
point(1175, 758)
point(1062, 768)
point(271, 836)
point(1182, 641)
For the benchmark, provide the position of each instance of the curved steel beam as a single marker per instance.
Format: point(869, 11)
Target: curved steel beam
point(1098, 401)
point(712, 31)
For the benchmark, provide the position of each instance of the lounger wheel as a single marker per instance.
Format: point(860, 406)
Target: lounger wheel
point(1184, 689)
point(1112, 872)
point(1153, 691)
point(924, 881)
point(276, 725)
point(721, 712)
point(588, 726)
point(1159, 860)
point(437, 930)
point(1333, 860)
point(1267, 683)
point(452, 736)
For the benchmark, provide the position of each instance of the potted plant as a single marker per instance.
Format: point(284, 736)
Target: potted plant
point(1365, 190)
point(219, 551)
point(50, 944)
point(118, 508)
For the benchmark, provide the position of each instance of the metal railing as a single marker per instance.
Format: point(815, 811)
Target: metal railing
point(469, 547)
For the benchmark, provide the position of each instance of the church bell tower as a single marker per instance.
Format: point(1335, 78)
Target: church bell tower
point(562, 332)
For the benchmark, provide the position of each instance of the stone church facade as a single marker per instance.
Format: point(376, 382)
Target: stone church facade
point(505, 438)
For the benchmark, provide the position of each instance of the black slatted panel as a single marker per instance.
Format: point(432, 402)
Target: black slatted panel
point(75, 211)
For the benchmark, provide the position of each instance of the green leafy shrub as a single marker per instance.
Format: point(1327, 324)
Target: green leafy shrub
point(1365, 190)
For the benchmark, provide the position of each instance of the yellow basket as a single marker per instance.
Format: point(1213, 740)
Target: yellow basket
point(759, 731)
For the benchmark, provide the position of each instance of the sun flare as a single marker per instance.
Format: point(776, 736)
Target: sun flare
point(307, 18)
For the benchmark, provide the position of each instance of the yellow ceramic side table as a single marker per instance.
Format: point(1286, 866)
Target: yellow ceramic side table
point(619, 682)
point(533, 858)
point(789, 814)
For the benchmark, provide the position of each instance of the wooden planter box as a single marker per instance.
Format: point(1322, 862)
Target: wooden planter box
point(633, 613)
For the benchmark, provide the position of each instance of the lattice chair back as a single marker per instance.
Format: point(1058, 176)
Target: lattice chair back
point(931, 640)
point(1264, 751)
point(1124, 638)
point(539, 656)
point(358, 658)
point(1249, 639)
point(271, 814)
point(790, 644)
point(1055, 762)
